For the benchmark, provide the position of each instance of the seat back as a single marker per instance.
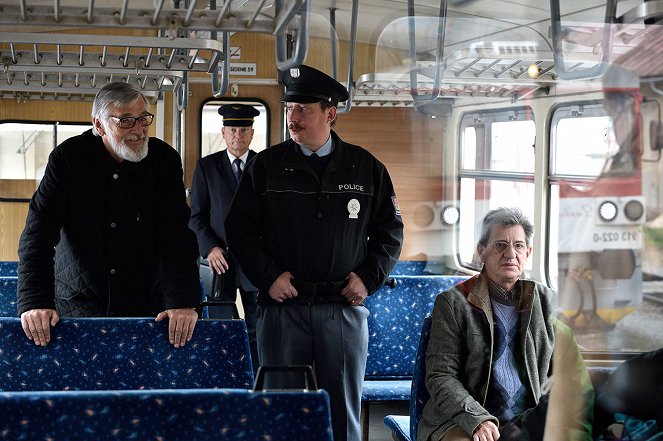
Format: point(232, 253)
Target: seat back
point(8, 268)
point(419, 395)
point(8, 296)
point(198, 414)
point(396, 315)
point(124, 353)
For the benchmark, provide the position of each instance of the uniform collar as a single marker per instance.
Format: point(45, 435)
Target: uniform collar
point(325, 150)
point(232, 157)
point(293, 157)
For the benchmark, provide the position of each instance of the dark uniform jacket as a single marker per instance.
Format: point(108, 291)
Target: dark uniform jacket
point(212, 192)
point(118, 233)
point(284, 218)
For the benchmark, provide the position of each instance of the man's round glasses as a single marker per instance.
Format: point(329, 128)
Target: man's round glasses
point(128, 122)
point(500, 247)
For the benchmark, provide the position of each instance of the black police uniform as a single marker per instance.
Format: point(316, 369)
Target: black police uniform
point(320, 227)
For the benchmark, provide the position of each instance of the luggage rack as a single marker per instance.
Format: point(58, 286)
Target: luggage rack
point(233, 16)
point(151, 63)
point(472, 72)
point(46, 65)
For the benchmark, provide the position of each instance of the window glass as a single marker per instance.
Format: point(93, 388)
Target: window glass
point(583, 146)
point(601, 260)
point(492, 144)
point(24, 150)
point(497, 158)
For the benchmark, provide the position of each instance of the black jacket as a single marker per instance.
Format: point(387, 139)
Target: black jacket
point(118, 233)
point(212, 192)
point(283, 218)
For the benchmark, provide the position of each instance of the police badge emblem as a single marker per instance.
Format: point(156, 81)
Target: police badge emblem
point(353, 208)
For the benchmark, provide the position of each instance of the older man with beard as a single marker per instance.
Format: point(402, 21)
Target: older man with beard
point(106, 232)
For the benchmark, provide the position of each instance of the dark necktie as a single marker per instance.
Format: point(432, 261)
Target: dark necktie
point(238, 170)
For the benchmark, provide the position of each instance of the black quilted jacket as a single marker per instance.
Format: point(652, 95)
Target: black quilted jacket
point(117, 232)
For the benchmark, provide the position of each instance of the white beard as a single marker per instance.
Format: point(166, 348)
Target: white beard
point(124, 151)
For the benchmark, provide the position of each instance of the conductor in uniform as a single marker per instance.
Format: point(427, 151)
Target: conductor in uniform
point(316, 226)
point(214, 184)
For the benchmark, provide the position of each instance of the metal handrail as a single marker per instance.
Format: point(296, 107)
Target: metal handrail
point(351, 55)
point(558, 36)
point(439, 54)
point(300, 9)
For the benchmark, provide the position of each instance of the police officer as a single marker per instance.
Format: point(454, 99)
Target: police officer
point(214, 184)
point(316, 226)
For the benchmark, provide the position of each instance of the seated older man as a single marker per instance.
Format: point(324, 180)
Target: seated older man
point(490, 358)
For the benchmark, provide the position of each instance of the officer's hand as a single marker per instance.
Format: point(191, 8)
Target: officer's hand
point(282, 289)
point(37, 324)
point(355, 291)
point(217, 260)
point(180, 324)
point(486, 431)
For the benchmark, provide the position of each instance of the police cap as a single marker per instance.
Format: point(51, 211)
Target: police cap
point(238, 115)
point(305, 84)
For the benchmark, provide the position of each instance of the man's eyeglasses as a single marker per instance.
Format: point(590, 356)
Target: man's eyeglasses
point(128, 122)
point(500, 247)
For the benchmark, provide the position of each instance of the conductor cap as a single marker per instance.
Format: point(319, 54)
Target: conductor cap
point(305, 84)
point(238, 115)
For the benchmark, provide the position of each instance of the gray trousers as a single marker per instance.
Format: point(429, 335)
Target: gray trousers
point(331, 337)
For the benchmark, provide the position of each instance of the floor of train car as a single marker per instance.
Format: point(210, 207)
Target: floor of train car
point(377, 430)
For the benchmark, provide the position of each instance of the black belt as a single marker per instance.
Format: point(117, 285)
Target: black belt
point(314, 293)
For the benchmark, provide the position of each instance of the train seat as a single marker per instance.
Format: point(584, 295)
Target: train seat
point(183, 414)
point(394, 324)
point(8, 296)
point(124, 353)
point(8, 268)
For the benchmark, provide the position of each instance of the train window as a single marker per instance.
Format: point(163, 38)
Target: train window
point(597, 214)
point(497, 167)
point(24, 150)
point(211, 123)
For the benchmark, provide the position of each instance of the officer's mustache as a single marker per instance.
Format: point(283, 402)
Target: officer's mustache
point(295, 126)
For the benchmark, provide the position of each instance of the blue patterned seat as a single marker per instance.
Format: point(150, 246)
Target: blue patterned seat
point(124, 353)
point(8, 296)
point(8, 269)
point(404, 428)
point(394, 324)
point(185, 414)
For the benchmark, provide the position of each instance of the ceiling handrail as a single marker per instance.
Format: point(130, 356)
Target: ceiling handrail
point(299, 9)
point(558, 37)
point(351, 55)
point(439, 54)
point(220, 90)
